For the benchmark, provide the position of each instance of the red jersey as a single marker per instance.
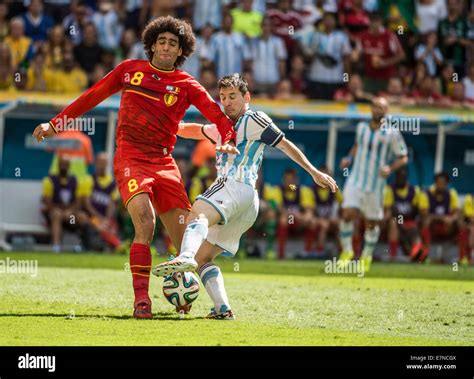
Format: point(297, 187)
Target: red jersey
point(384, 44)
point(153, 103)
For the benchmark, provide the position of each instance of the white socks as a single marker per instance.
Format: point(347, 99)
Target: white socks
point(371, 236)
point(213, 280)
point(194, 236)
point(345, 233)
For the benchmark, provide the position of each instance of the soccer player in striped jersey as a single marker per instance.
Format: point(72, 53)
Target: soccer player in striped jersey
point(229, 207)
point(378, 151)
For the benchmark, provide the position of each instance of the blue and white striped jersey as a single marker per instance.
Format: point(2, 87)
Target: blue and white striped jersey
point(375, 149)
point(228, 52)
point(254, 130)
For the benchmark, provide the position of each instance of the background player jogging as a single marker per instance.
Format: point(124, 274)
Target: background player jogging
point(155, 96)
point(229, 206)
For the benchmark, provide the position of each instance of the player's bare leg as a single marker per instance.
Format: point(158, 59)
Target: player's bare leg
point(174, 221)
point(345, 233)
point(393, 237)
point(212, 279)
point(322, 225)
point(309, 226)
point(202, 216)
point(143, 218)
point(56, 219)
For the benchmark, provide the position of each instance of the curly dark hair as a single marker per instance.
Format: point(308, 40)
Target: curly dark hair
point(180, 28)
point(234, 80)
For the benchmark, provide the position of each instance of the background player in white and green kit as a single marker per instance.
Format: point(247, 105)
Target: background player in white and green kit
point(229, 206)
point(378, 151)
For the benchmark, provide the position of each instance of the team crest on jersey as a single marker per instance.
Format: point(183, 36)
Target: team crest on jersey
point(170, 99)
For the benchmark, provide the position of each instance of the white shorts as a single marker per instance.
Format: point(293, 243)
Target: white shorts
point(369, 203)
point(237, 203)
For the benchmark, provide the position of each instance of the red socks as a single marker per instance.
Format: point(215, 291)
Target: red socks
point(393, 249)
point(282, 234)
point(309, 236)
point(462, 244)
point(140, 266)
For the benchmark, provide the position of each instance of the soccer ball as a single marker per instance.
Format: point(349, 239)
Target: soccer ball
point(181, 289)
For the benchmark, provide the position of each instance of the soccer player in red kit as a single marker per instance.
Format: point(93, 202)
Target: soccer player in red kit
point(155, 96)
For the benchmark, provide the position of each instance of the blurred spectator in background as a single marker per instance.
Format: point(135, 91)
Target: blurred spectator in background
point(468, 214)
point(6, 68)
point(56, 46)
point(452, 33)
point(208, 12)
point(61, 203)
point(429, 13)
point(401, 201)
point(400, 19)
point(39, 76)
point(440, 215)
point(329, 52)
point(269, 56)
point(468, 82)
point(429, 53)
point(285, 92)
point(135, 14)
point(108, 25)
point(427, 94)
point(353, 17)
point(325, 205)
point(395, 93)
point(297, 75)
point(457, 99)
point(75, 21)
point(246, 20)
point(228, 50)
point(295, 212)
point(208, 80)
point(77, 149)
point(130, 47)
point(57, 9)
point(470, 37)
point(418, 75)
point(267, 219)
point(100, 196)
point(354, 91)
point(107, 59)
point(36, 22)
point(70, 79)
point(98, 72)
point(285, 22)
point(446, 79)
point(199, 183)
point(3, 20)
point(88, 52)
point(194, 63)
point(21, 46)
point(382, 52)
point(249, 78)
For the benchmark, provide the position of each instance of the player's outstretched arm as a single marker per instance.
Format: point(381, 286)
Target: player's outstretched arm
point(107, 86)
point(201, 99)
point(295, 154)
point(191, 130)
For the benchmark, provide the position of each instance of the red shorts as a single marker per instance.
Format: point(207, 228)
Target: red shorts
point(160, 179)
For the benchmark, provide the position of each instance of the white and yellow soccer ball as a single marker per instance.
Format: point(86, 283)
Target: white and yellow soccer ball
point(181, 289)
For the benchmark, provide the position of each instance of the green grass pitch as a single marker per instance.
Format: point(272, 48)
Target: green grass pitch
point(85, 299)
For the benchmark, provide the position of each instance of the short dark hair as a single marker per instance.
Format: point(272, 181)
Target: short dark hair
point(180, 28)
point(442, 174)
point(290, 171)
point(234, 80)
